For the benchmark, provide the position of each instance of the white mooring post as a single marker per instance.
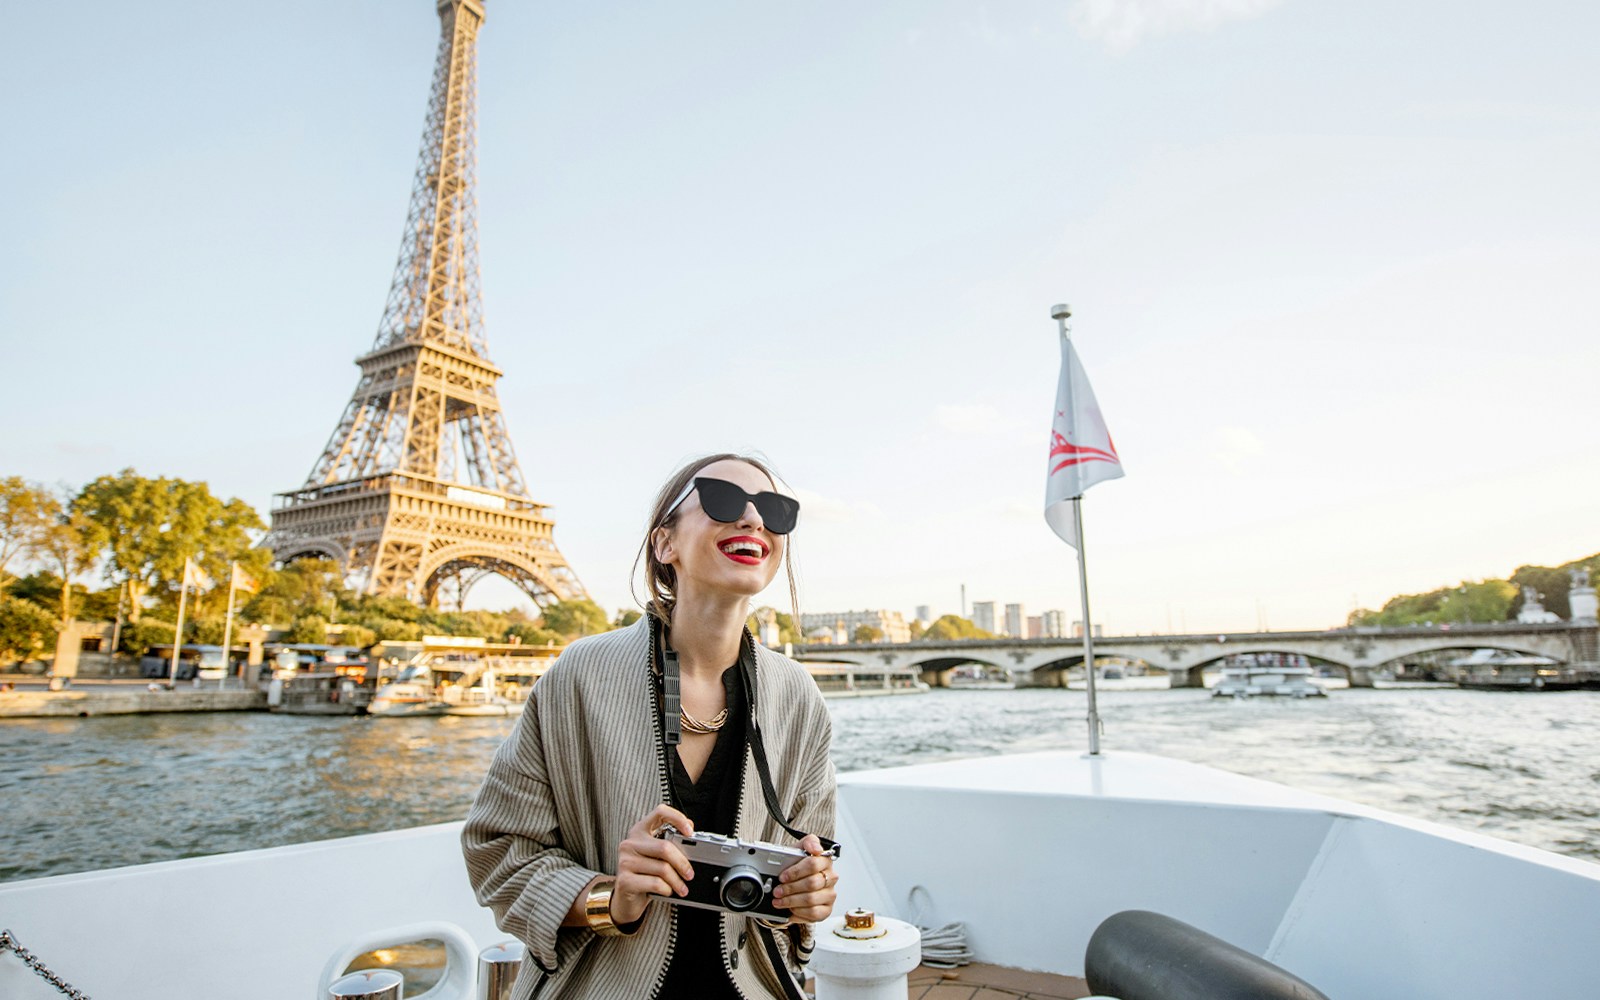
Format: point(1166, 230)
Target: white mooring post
point(862, 956)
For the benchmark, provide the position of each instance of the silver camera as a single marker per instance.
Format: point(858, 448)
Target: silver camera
point(732, 874)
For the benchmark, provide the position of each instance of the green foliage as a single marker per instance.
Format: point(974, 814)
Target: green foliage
point(626, 617)
point(207, 631)
point(394, 629)
point(27, 631)
point(148, 527)
point(866, 633)
point(575, 619)
point(530, 635)
point(955, 627)
point(917, 630)
point(302, 587)
point(309, 628)
point(25, 515)
point(1479, 601)
point(138, 637)
point(357, 635)
point(786, 630)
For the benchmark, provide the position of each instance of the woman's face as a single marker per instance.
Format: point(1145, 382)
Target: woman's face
point(710, 556)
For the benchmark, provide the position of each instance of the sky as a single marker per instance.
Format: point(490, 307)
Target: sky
point(1331, 267)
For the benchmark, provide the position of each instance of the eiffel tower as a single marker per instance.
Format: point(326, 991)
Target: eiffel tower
point(418, 486)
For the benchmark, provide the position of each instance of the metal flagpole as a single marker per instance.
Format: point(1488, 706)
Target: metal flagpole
point(177, 635)
point(227, 626)
point(1088, 631)
point(116, 629)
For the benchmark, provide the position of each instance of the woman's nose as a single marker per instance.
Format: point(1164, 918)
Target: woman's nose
point(751, 516)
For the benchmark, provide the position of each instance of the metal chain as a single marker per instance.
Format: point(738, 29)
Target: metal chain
point(10, 943)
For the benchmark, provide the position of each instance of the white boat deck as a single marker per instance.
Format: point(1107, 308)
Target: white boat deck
point(1030, 852)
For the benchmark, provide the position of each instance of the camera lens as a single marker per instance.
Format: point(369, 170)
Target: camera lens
point(742, 888)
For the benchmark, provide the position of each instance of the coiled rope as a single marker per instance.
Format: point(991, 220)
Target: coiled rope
point(943, 947)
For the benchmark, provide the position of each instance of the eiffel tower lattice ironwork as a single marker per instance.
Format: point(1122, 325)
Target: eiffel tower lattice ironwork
point(419, 484)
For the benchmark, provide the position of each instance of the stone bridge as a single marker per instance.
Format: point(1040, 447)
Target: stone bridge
point(1359, 652)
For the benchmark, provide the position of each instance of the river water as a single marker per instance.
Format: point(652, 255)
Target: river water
point(82, 794)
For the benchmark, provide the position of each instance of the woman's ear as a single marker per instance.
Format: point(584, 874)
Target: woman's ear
point(661, 544)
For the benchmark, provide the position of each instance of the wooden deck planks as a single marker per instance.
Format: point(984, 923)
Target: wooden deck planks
point(993, 982)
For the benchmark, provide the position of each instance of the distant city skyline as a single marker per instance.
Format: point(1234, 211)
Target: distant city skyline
point(1330, 271)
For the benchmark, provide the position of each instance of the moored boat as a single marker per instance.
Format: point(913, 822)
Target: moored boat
point(318, 693)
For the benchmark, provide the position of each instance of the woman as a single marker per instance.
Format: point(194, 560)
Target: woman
point(562, 840)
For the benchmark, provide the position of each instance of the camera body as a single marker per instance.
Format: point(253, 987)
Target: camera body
point(732, 874)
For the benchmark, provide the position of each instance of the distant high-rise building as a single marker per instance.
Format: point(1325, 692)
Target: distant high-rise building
point(924, 614)
point(892, 624)
point(1035, 626)
point(983, 615)
point(1055, 624)
point(1016, 622)
point(1077, 630)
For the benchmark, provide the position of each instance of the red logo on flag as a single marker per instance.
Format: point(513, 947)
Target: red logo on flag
point(1076, 454)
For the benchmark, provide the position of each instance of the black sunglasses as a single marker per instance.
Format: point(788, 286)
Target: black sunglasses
point(725, 502)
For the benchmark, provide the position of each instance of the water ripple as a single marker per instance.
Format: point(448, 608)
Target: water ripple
point(82, 794)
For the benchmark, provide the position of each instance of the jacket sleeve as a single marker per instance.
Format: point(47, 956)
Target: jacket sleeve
point(513, 846)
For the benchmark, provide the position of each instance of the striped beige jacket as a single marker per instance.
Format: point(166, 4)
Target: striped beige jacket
point(582, 766)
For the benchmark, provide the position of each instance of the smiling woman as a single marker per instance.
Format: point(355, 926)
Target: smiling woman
point(650, 729)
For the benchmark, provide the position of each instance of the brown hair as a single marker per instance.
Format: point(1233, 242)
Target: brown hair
point(661, 580)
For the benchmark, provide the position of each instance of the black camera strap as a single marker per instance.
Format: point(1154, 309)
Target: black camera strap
point(747, 673)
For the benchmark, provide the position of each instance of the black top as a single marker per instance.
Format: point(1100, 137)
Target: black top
point(712, 805)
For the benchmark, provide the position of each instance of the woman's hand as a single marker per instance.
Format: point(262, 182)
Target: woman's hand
point(807, 889)
point(649, 866)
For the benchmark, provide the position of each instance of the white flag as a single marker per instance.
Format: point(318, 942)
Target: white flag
point(194, 576)
point(1081, 452)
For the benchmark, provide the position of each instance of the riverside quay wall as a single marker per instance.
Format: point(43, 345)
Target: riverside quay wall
point(125, 701)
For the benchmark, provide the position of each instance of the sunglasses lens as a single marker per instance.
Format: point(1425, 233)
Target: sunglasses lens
point(778, 512)
point(725, 502)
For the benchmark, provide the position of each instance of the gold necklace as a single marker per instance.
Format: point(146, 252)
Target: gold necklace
point(693, 725)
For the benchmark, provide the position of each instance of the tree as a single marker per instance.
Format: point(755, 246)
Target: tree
point(917, 630)
point(786, 630)
point(1479, 601)
point(955, 627)
point(358, 636)
point(64, 546)
point(150, 526)
point(866, 633)
point(626, 617)
point(24, 515)
point(530, 635)
point(575, 619)
point(26, 630)
point(309, 629)
point(305, 586)
point(138, 637)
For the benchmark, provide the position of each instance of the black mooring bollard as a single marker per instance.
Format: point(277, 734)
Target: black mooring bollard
point(1139, 955)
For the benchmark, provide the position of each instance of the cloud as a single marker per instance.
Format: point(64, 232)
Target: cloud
point(1121, 24)
point(971, 418)
point(816, 507)
point(1235, 447)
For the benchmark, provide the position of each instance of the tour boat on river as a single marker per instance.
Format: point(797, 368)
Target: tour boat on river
point(1358, 902)
point(1251, 676)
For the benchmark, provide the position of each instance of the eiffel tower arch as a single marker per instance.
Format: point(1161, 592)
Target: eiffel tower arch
point(418, 484)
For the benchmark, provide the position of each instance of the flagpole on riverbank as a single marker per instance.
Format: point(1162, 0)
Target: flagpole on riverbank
point(1081, 454)
point(236, 576)
point(177, 633)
